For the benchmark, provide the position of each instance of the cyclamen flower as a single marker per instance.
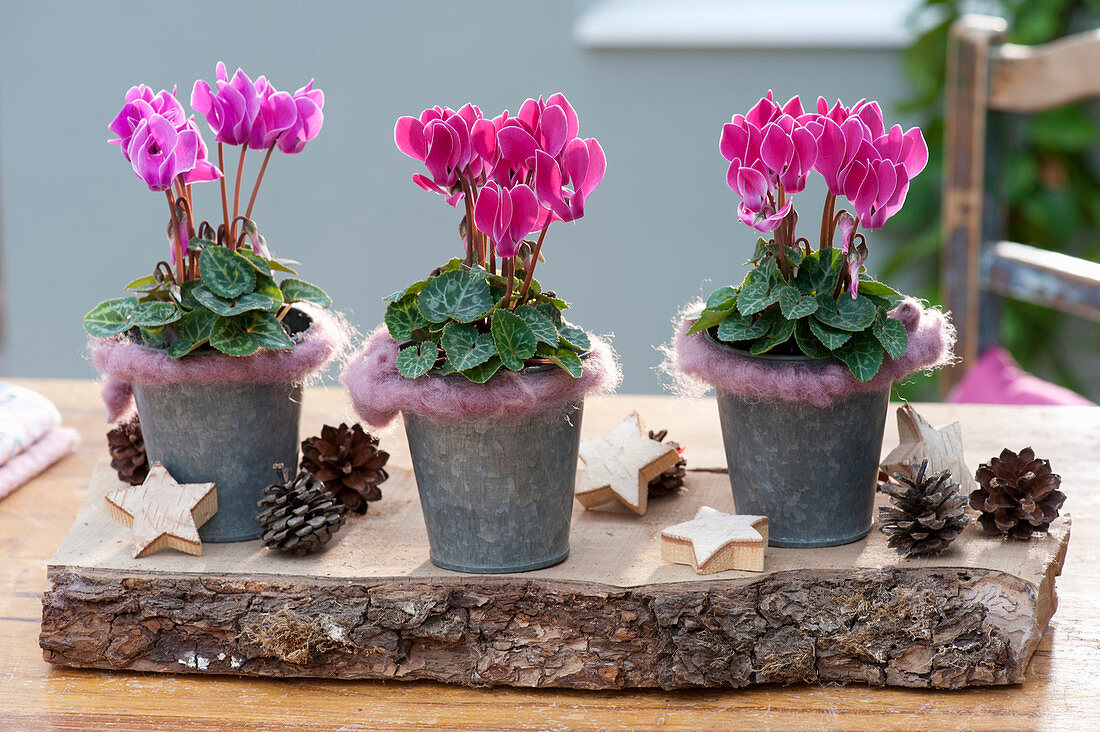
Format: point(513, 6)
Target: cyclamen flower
point(276, 113)
point(506, 216)
point(229, 111)
point(441, 138)
point(308, 104)
point(583, 164)
point(140, 103)
point(159, 153)
point(204, 170)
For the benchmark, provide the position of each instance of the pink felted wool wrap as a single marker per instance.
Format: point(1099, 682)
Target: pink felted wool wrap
point(696, 363)
point(123, 361)
point(379, 392)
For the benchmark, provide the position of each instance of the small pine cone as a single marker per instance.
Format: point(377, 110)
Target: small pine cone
point(347, 460)
point(672, 480)
point(927, 512)
point(298, 514)
point(1017, 494)
point(127, 448)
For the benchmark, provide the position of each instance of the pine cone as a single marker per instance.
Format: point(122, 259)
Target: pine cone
point(127, 447)
point(1018, 494)
point(927, 512)
point(299, 515)
point(672, 480)
point(347, 460)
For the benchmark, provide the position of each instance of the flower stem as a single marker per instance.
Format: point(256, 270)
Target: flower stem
point(826, 221)
point(509, 268)
point(470, 228)
point(237, 196)
point(221, 180)
point(176, 236)
point(531, 268)
point(259, 178)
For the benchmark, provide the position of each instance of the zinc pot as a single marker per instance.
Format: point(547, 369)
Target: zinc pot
point(226, 433)
point(497, 495)
point(811, 470)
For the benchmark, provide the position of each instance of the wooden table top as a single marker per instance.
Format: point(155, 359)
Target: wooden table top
point(1062, 690)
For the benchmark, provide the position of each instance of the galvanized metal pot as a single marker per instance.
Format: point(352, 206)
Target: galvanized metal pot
point(811, 470)
point(497, 495)
point(228, 433)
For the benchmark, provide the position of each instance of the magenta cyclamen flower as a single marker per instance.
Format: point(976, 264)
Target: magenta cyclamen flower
point(769, 147)
point(140, 103)
point(308, 105)
point(448, 142)
point(159, 153)
point(506, 216)
point(275, 114)
point(583, 164)
point(231, 109)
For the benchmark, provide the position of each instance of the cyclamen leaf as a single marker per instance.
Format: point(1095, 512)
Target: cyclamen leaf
point(244, 303)
point(284, 265)
point(417, 359)
point(551, 311)
point(268, 330)
point(481, 374)
point(808, 343)
point(871, 287)
point(459, 295)
point(708, 319)
point(181, 347)
point(845, 313)
point(149, 282)
point(157, 337)
point(574, 337)
point(197, 244)
point(110, 317)
point(155, 313)
point(230, 336)
point(754, 296)
point(540, 324)
point(741, 328)
point(514, 340)
point(466, 347)
point(403, 318)
point(794, 305)
point(779, 333)
point(722, 299)
point(195, 326)
point(862, 354)
point(225, 273)
point(265, 285)
point(258, 263)
point(301, 291)
point(568, 360)
point(893, 337)
point(831, 338)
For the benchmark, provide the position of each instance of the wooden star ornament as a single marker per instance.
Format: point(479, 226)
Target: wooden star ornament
point(919, 441)
point(163, 513)
point(714, 542)
point(619, 466)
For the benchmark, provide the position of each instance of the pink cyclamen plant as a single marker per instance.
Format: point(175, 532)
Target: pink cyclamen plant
point(166, 150)
point(514, 175)
point(772, 150)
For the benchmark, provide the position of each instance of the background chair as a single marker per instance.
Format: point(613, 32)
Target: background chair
point(987, 77)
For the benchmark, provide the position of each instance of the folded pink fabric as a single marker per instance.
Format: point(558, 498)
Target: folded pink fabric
point(996, 378)
point(54, 445)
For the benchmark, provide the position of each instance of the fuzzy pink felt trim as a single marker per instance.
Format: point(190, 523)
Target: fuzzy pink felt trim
point(379, 392)
point(696, 363)
point(123, 362)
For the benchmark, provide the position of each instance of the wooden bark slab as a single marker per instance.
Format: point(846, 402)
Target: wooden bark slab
point(613, 615)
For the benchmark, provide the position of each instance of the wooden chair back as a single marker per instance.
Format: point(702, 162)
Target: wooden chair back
point(984, 75)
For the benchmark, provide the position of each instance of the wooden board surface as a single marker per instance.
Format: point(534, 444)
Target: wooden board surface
point(1058, 694)
point(613, 615)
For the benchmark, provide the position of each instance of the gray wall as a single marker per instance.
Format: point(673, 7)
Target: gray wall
point(77, 225)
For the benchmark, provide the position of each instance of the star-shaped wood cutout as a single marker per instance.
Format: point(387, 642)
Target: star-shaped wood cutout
point(714, 542)
point(163, 513)
point(620, 465)
point(919, 441)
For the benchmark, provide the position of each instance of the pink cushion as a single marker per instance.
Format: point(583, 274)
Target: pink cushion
point(996, 378)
